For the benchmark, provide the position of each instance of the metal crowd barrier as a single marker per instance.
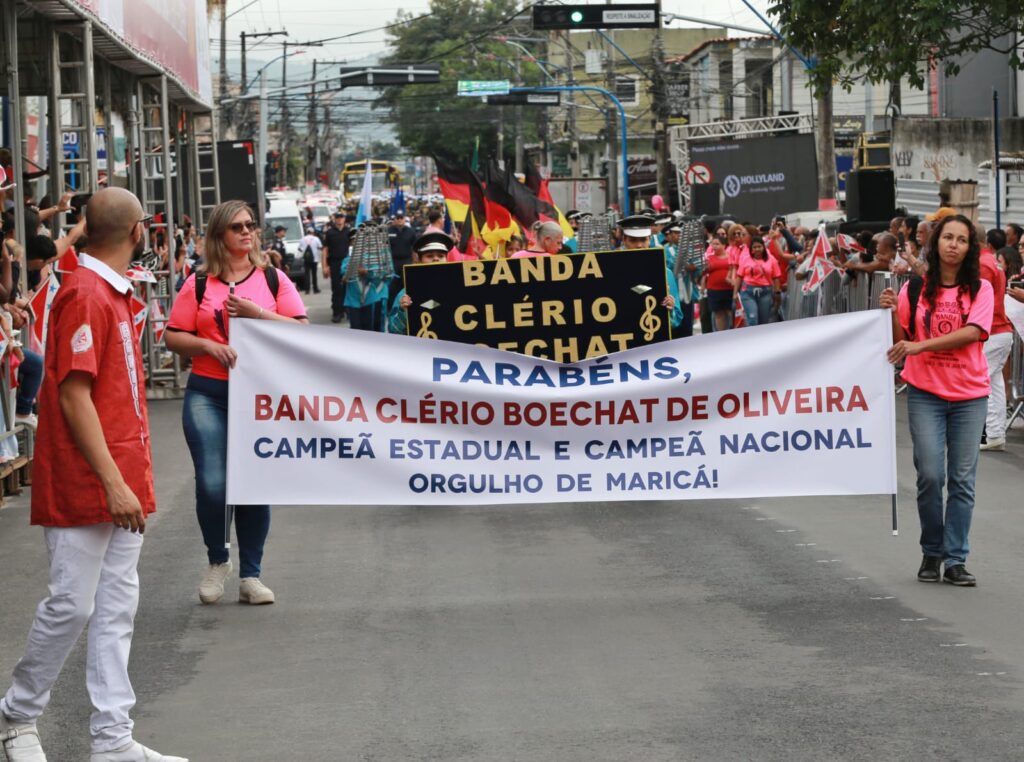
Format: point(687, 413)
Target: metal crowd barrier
point(1016, 381)
point(838, 293)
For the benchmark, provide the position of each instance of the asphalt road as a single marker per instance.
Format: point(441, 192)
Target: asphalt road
point(754, 630)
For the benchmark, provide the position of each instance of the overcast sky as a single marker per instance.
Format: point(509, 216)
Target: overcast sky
point(316, 19)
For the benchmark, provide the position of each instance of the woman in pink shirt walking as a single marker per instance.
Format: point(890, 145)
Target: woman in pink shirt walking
point(939, 326)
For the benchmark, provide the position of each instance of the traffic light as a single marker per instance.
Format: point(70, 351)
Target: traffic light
point(629, 16)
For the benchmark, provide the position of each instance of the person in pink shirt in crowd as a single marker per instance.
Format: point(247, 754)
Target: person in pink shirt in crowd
point(759, 275)
point(999, 343)
point(547, 242)
point(939, 325)
point(739, 243)
point(235, 283)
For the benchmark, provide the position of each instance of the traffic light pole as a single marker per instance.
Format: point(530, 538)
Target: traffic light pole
point(623, 173)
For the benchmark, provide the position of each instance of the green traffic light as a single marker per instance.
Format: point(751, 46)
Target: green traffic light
point(576, 17)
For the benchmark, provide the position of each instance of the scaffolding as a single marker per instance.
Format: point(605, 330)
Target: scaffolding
point(100, 93)
point(681, 137)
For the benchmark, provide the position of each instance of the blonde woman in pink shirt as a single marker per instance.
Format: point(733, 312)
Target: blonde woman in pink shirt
point(939, 325)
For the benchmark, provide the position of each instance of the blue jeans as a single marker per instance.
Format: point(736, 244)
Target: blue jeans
point(757, 304)
point(205, 419)
point(946, 436)
point(30, 378)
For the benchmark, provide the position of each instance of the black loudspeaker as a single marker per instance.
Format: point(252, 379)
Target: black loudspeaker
point(706, 199)
point(870, 194)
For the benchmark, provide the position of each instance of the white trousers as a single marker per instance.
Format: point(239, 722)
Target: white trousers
point(997, 349)
point(93, 580)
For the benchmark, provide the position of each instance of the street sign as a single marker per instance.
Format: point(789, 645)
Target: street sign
point(392, 74)
point(477, 87)
point(525, 99)
point(698, 174)
point(625, 16)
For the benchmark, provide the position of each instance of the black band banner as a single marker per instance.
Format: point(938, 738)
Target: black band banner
point(565, 308)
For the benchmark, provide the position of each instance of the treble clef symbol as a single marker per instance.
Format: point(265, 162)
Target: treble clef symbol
point(649, 322)
point(425, 321)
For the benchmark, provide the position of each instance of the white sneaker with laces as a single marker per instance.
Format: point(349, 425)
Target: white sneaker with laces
point(133, 752)
point(251, 590)
point(212, 587)
point(30, 420)
point(995, 445)
point(20, 741)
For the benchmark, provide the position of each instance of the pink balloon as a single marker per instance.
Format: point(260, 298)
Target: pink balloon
point(657, 202)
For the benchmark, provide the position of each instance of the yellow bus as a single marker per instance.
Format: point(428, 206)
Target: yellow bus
point(384, 176)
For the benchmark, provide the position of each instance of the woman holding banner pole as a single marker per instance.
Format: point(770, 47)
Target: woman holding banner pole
point(939, 325)
point(235, 282)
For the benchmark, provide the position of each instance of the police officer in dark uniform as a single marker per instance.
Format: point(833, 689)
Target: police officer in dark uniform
point(337, 239)
point(401, 237)
point(279, 253)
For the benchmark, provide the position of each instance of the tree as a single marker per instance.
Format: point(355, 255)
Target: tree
point(884, 41)
point(460, 36)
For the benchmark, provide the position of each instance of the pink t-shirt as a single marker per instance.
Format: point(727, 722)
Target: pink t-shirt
point(210, 320)
point(958, 374)
point(758, 272)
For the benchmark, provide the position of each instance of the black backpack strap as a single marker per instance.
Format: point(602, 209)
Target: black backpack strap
point(914, 287)
point(273, 281)
point(200, 288)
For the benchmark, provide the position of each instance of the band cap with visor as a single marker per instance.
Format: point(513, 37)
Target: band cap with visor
point(637, 226)
point(433, 241)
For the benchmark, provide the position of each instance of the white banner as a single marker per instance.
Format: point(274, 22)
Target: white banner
point(319, 415)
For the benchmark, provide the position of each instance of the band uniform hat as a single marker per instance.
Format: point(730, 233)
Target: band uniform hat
point(637, 226)
point(572, 214)
point(663, 219)
point(433, 241)
point(674, 227)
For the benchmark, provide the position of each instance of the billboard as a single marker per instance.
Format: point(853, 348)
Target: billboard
point(761, 177)
point(171, 33)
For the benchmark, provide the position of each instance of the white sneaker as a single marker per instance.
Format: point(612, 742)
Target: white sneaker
point(212, 587)
point(251, 590)
point(30, 420)
point(20, 741)
point(133, 752)
point(995, 445)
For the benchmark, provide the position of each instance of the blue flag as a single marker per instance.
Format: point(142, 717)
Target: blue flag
point(397, 203)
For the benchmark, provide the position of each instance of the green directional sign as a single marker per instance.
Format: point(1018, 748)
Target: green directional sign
point(483, 87)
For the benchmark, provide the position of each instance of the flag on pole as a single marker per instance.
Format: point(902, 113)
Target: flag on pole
point(40, 305)
point(366, 197)
point(474, 163)
point(818, 265)
point(849, 243)
point(397, 203)
point(140, 274)
point(68, 261)
point(539, 185)
point(139, 313)
point(455, 187)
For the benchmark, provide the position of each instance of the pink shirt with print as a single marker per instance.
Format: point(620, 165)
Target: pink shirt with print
point(758, 272)
point(958, 374)
point(211, 320)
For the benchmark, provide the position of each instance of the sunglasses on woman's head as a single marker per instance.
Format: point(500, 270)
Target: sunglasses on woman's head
point(238, 227)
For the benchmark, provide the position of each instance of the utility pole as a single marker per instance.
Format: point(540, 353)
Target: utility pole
point(284, 129)
point(613, 170)
point(225, 109)
point(246, 124)
point(312, 129)
point(827, 186)
point(574, 141)
point(519, 120)
point(659, 93)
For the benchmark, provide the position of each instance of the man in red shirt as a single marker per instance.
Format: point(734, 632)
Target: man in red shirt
point(91, 493)
point(997, 348)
